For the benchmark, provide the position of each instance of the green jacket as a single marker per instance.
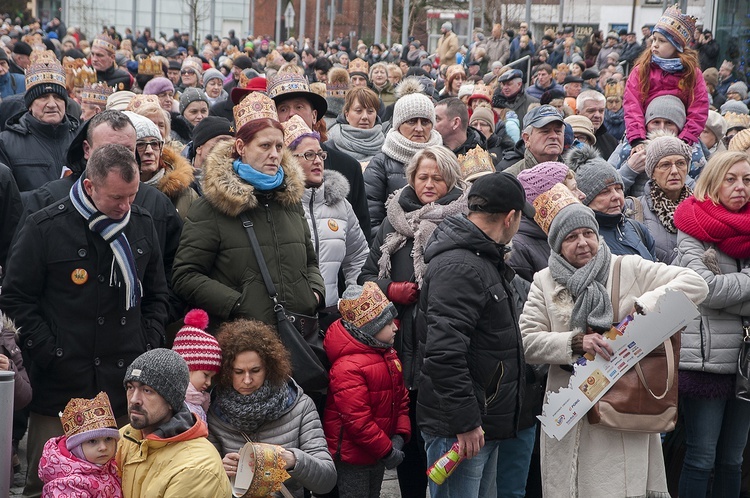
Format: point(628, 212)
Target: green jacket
point(215, 268)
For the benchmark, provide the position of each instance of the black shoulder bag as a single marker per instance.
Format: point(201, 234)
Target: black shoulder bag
point(307, 364)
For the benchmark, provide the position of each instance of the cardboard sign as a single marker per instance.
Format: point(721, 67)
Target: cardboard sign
point(631, 342)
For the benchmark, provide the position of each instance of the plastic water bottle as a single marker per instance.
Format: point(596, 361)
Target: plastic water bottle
point(445, 465)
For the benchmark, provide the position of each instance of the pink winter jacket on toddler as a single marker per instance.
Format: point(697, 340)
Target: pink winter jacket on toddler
point(66, 476)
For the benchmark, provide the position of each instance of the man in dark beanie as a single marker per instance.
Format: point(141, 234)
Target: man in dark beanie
point(164, 435)
point(20, 60)
point(209, 132)
point(34, 142)
point(240, 64)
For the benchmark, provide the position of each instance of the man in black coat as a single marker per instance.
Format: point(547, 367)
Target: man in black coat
point(87, 302)
point(452, 122)
point(103, 61)
point(708, 50)
point(473, 372)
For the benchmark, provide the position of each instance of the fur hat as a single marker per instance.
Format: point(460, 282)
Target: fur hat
point(199, 349)
point(663, 146)
point(593, 173)
point(541, 178)
point(366, 308)
point(411, 106)
point(569, 218)
point(165, 372)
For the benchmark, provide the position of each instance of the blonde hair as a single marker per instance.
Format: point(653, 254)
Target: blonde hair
point(447, 165)
point(712, 176)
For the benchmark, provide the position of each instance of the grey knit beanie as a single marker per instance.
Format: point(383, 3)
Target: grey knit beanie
point(414, 105)
point(165, 372)
point(738, 87)
point(212, 74)
point(366, 308)
point(594, 175)
point(735, 106)
point(667, 107)
point(571, 217)
point(665, 146)
point(192, 94)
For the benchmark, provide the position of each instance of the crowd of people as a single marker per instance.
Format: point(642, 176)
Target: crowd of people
point(448, 240)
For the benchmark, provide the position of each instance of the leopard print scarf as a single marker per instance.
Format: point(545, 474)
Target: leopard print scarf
point(664, 208)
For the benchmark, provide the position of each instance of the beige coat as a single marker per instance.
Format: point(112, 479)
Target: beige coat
point(591, 461)
point(447, 48)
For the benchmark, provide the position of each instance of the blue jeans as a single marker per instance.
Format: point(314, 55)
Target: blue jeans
point(513, 461)
point(466, 480)
point(716, 432)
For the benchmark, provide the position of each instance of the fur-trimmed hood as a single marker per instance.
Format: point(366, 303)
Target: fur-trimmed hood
point(336, 187)
point(231, 195)
point(178, 173)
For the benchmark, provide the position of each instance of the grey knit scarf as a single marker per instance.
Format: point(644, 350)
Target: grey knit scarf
point(417, 225)
point(400, 148)
point(592, 305)
point(248, 413)
point(358, 143)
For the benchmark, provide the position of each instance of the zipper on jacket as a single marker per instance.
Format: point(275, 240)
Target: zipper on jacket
point(314, 223)
point(500, 368)
point(703, 346)
point(337, 456)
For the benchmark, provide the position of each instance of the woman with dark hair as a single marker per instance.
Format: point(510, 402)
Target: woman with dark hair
point(257, 400)
point(215, 268)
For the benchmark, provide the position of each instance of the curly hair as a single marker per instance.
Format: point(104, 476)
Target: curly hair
point(243, 335)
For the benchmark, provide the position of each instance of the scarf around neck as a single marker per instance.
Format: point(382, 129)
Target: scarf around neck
point(713, 223)
point(113, 233)
point(260, 181)
point(398, 147)
point(154, 180)
point(664, 207)
point(668, 65)
point(592, 305)
point(417, 225)
point(248, 413)
point(358, 143)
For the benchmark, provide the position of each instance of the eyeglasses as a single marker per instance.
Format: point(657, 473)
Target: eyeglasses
point(668, 165)
point(142, 146)
point(310, 155)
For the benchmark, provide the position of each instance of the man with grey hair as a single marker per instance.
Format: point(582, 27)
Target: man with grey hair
point(592, 104)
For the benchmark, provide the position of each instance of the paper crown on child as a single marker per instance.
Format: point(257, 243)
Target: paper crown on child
point(85, 419)
point(254, 106)
point(294, 128)
point(551, 202)
point(676, 27)
point(475, 163)
point(366, 308)
point(199, 349)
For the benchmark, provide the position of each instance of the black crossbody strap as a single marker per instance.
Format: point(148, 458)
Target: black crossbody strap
point(248, 225)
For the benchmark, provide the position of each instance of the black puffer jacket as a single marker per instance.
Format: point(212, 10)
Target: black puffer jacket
point(473, 138)
point(530, 250)
point(468, 325)
point(35, 151)
point(383, 176)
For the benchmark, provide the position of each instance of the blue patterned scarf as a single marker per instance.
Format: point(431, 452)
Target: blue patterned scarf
point(112, 231)
point(669, 65)
point(260, 181)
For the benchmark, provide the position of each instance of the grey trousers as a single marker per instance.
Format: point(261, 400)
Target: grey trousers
point(360, 481)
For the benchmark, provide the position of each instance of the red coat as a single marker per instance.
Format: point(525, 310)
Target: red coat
point(367, 402)
point(663, 83)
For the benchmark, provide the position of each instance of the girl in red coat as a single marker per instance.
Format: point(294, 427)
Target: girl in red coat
point(667, 67)
point(366, 419)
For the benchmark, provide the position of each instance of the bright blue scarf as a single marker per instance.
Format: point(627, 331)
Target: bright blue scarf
point(260, 181)
point(669, 65)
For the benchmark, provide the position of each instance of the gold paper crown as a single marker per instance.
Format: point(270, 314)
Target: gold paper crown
point(142, 100)
point(359, 66)
point(267, 468)
point(366, 308)
point(336, 90)
point(96, 94)
point(475, 163)
point(150, 66)
point(294, 128)
point(284, 83)
point(44, 69)
point(678, 25)
point(77, 74)
point(83, 415)
point(735, 120)
point(105, 42)
point(255, 106)
point(613, 89)
point(244, 80)
point(548, 204)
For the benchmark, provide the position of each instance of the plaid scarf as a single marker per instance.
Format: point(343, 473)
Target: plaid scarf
point(112, 231)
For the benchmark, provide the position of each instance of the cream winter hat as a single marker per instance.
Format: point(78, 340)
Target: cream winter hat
point(411, 106)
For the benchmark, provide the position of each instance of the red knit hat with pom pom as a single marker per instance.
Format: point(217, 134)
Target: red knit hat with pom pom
point(199, 349)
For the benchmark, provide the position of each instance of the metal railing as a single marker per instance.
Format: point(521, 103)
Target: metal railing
point(7, 384)
point(527, 60)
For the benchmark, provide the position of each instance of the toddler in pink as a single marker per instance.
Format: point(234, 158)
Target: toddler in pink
point(81, 463)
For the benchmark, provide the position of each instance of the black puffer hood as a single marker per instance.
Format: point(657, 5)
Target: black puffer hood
point(457, 232)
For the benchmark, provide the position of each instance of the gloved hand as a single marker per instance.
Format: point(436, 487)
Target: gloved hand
point(394, 458)
point(403, 292)
point(397, 442)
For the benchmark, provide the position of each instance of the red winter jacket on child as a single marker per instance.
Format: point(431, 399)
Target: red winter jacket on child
point(367, 402)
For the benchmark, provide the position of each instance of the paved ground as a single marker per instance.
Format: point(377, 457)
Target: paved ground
point(389, 490)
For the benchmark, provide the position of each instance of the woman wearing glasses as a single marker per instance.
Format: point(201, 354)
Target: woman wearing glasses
point(162, 166)
point(336, 234)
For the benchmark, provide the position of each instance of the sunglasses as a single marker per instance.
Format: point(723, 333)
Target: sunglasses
point(187, 71)
point(310, 155)
point(142, 146)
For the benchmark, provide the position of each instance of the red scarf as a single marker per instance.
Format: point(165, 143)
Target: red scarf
point(709, 222)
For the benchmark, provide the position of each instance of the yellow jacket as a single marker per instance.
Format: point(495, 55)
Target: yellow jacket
point(179, 466)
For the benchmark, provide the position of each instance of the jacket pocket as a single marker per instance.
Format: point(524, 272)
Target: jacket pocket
point(492, 389)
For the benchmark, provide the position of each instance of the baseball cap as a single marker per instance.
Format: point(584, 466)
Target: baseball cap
point(510, 75)
point(502, 192)
point(542, 115)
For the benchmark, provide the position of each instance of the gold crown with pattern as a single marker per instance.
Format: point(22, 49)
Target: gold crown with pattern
point(96, 94)
point(366, 308)
point(44, 69)
point(83, 415)
point(150, 66)
point(359, 66)
point(142, 100)
point(548, 204)
point(294, 128)
point(475, 163)
point(736, 120)
point(256, 105)
point(104, 42)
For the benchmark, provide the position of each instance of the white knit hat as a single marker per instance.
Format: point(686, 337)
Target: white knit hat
point(144, 127)
point(411, 106)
